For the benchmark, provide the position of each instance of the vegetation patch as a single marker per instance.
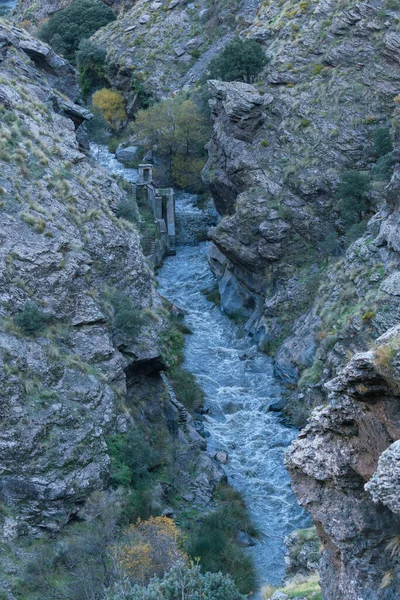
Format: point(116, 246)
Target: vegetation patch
point(213, 539)
point(32, 320)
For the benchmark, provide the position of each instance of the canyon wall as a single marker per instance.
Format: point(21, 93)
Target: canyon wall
point(71, 374)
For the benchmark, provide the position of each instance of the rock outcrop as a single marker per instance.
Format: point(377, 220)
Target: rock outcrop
point(69, 375)
point(345, 470)
point(276, 157)
point(275, 160)
point(162, 47)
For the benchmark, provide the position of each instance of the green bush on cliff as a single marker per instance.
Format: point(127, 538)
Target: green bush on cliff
point(66, 28)
point(31, 320)
point(90, 60)
point(353, 197)
point(239, 61)
point(382, 141)
point(127, 318)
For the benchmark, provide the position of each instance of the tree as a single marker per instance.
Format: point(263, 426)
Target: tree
point(239, 61)
point(353, 194)
point(66, 28)
point(382, 141)
point(90, 60)
point(112, 106)
point(179, 131)
point(181, 583)
point(148, 548)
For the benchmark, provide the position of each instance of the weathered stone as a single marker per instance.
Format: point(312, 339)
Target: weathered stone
point(143, 19)
point(222, 457)
point(384, 486)
point(126, 154)
point(179, 51)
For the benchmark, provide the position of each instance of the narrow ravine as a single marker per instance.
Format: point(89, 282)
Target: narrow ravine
point(239, 386)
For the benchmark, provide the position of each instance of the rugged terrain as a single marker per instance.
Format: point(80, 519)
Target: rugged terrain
point(325, 308)
point(33, 14)
point(275, 160)
point(70, 375)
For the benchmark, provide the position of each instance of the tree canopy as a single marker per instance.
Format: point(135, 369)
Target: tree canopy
point(111, 105)
point(239, 61)
point(66, 28)
point(353, 193)
point(90, 60)
point(179, 131)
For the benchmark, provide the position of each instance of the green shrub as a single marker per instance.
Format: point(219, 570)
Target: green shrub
point(355, 232)
point(382, 141)
point(179, 130)
point(180, 583)
point(352, 192)
point(127, 318)
point(173, 342)
point(132, 457)
point(317, 69)
point(66, 28)
point(31, 320)
point(213, 541)
point(127, 209)
point(90, 60)
point(187, 389)
point(143, 95)
point(392, 4)
point(383, 169)
point(239, 61)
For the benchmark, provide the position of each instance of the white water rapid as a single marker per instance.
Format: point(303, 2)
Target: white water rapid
point(239, 386)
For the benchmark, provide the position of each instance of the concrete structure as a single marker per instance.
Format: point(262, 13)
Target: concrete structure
point(145, 174)
point(162, 203)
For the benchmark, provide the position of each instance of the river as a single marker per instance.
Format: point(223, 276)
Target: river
point(239, 386)
point(6, 6)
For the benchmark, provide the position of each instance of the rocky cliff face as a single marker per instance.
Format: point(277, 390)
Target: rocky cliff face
point(165, 46)
point(345, 470)
point(69, 375)
point(275, 160)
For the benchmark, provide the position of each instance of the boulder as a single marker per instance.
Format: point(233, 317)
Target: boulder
point(126, 154)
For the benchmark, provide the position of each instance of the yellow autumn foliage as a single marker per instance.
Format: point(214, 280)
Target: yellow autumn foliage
point(148, 548)
point(112, 106)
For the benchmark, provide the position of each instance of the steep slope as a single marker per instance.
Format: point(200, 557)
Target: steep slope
point(71, 373)
point(34, 13)
point(345, 470)
point(275, 160)
point(165, 45)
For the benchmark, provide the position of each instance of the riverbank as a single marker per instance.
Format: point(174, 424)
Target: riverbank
point(239, 387)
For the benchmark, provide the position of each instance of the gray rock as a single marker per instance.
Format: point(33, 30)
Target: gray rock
point(126, 154)
point(144, 19)
point(179, 50)
point(222, 457)
point(384, 486)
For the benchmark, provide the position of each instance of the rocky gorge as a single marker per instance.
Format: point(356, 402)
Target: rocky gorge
point(71, 377)
point(320, 299)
